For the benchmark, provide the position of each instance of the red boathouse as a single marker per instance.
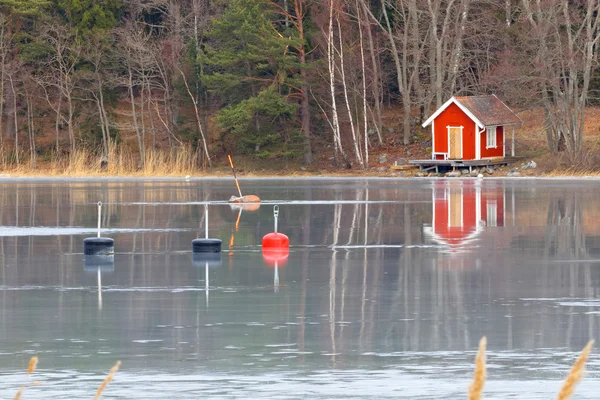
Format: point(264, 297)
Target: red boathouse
point(471, 128)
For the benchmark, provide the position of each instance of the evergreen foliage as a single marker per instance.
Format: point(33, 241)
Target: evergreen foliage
point(91, 16)
point(249, 64)
point(24, 7)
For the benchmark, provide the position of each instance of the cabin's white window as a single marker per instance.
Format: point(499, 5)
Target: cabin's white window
point(490, 140)
point(492, 213)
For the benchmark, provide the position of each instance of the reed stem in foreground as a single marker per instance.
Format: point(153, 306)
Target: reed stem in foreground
point(107, 380)
point(476, 386)
point(30, 369)
point(576, 373)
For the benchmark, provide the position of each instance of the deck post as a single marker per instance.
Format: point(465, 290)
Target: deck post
point(512, 144)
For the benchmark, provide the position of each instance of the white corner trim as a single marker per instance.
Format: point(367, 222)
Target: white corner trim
point(433, 140)
point(478, 141)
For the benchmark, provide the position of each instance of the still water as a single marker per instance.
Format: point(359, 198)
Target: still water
point(388, 287)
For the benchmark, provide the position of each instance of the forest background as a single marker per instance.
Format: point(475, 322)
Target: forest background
point(172, 87)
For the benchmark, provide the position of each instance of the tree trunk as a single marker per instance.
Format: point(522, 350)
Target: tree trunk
point(57, 124)
point(364, 85)
point(31, 131)
point(134, 117)
point(355, 140)
point(304, 103)
point(15, 121)
point(378, 120)
point(200, 130)
point(70, 119)
point(338, 149)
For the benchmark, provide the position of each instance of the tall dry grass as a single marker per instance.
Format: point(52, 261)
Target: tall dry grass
point(177, 161)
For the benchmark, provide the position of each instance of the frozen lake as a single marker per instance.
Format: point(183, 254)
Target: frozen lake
point(388, 287)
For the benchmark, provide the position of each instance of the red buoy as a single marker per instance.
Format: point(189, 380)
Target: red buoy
point(275, 240)
point(275, 245)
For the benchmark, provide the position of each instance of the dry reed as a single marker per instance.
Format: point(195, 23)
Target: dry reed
point(33, 361)
point(576, 373)
point(107, 380)
point(476, 386)
point(32, 365)
point(179, 161)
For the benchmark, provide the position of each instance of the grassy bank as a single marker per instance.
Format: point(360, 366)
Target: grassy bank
point(124, 160)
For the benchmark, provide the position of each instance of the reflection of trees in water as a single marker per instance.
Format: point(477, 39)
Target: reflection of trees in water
point(397, 300)
point(565, 239)
point(565, 233)
point(436, 308)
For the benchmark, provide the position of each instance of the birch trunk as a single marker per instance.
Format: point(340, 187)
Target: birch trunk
point(338, 149)
point(364, 85)
point(355, 140)
point(198, 121)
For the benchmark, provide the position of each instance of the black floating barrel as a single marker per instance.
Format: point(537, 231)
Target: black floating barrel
point(206, 245)
point(98, 246)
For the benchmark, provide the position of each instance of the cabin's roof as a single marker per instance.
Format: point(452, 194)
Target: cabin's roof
point(484, 110)
point(490, 110)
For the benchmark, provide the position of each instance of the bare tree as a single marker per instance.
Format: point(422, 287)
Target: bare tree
point(409, 34)
point(355, 139)
point(335, 124)
point(563, 35)
point(198, 121)
point(59, 70)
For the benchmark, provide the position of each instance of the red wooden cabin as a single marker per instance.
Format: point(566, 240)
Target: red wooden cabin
point(471, 128)
point(461, 211)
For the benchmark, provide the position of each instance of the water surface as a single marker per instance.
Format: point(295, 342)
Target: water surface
point(388, 287)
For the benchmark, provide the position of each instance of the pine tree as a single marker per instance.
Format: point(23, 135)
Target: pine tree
point(249, 65)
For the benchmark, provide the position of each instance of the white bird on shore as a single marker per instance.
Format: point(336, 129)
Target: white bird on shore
point(187, 178)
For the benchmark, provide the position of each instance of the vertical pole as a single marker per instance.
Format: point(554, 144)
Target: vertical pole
point(276, 215)
point(206, 281)
point(99, 290)
point(276, 277)
point(512, 144)
point(206, 221)
point(99, 217)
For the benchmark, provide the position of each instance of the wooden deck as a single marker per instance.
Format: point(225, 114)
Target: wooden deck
point(426, 165)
